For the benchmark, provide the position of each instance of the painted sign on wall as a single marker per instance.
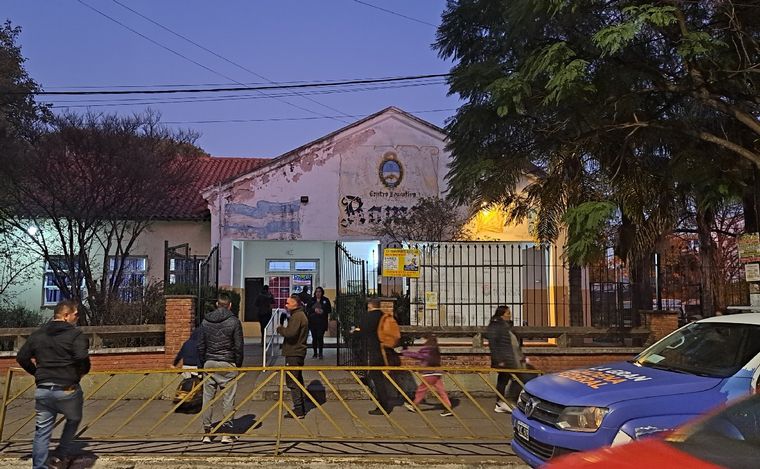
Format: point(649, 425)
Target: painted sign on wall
point(379, 182)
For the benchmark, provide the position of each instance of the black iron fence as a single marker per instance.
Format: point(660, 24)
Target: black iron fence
point(462, 283)
point(350, 305)
point(185, 273)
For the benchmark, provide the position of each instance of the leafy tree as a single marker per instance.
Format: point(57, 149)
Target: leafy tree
point(89, 187)
point(610, 89)
point(430, 219)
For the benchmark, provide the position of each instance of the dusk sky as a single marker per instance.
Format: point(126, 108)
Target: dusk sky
point(69, 46)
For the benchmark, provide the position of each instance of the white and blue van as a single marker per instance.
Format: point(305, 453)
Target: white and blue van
point(697, 367)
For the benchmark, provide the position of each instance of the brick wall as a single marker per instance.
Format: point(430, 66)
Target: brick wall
point(545, 360)
point(659, 323)
point(180, 316)
point(180, 313)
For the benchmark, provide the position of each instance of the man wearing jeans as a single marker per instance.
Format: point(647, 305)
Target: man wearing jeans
point(59, 351)
point(294, 349)
point(220, 345)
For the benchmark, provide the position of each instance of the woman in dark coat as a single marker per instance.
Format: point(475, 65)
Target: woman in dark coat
point(319, 315)
point(503, 353)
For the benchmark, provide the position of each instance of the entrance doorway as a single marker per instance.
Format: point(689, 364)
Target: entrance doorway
point(286, 277)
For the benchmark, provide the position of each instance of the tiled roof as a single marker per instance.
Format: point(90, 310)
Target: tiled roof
point(205, 171)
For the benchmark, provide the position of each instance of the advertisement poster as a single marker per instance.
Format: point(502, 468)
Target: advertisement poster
point(401, 263)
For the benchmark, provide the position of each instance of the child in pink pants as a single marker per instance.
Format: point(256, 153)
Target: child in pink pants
point(429, 356)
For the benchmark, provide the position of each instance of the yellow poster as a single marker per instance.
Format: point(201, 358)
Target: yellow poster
point(431, 300)
point(401, 262)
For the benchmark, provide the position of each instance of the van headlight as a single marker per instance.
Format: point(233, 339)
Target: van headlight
point(581, 419)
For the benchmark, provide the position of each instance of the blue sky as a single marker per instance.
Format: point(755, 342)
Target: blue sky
point(69, 45)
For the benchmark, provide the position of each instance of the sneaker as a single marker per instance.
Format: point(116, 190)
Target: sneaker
point(502, 408)
point(409, 407)
point(375, 412)
point(227, 439)
point(446, 413)
point(207, 439)
point(287, 415)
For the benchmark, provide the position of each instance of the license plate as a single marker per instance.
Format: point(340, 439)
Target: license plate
point(522, 429)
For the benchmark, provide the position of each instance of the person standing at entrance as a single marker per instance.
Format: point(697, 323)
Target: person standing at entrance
point(220, 345)
point(56, 355)
point(263, 304)
point(294, 349)
point(503, 355)
point(306, 299)
point(319, 314)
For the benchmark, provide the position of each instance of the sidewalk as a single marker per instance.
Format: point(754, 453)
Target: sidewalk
point(340, 434)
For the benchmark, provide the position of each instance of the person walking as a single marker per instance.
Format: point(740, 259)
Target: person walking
point(504, 355)
point(264, 303)
point(377, 355)
point(56, 355)
point(429, 356)
point(220, 345)
point(294, 348)
point(319, 314)
point(188, 355)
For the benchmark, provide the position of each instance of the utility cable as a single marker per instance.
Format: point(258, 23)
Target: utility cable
point(233, 89)
point(187, 58)
point(395, 13)
point(252, 72)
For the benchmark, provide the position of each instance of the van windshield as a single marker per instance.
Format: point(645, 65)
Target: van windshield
point(708, 348)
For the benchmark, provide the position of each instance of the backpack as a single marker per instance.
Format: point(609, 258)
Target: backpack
point(388, 331)
point(194, 403)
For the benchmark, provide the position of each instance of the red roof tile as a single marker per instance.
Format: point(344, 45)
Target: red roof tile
point(205, 171)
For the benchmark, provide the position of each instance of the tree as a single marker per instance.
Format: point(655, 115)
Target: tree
point(611, 88)
point(20, 118)
point(430, 219)
point(607, 99)
point(84, 193)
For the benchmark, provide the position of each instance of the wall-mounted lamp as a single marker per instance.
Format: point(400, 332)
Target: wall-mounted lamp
point(304, 199)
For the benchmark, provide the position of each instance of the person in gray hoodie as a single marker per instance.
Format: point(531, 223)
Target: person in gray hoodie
point(220, 345)
point(294, 350)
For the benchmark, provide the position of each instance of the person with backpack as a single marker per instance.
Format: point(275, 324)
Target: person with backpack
point(429, 356)
point(377, 332)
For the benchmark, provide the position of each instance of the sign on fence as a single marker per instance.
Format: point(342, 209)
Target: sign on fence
point(749, 247)
point(401, 262)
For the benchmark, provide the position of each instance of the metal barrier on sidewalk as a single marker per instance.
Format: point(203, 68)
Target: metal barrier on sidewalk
point(140, 405)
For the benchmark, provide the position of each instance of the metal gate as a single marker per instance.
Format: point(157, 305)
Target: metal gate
point(350, 305)
point(185, 273)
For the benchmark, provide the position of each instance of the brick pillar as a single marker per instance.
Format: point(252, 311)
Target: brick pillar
point(659, 323)
point(386, 304)
point(180, 317)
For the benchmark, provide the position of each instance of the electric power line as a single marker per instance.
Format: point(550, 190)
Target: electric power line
point(233, 89)
point(286, 119)
point(252, 72)
point(185, 57)
point(395, 13)
point(178, 100)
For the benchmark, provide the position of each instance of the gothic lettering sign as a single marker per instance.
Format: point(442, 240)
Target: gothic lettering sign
point(379, 182)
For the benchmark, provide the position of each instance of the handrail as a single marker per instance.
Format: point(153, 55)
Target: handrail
point(270, 334)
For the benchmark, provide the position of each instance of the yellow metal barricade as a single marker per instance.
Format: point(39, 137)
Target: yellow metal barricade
point(139, 405)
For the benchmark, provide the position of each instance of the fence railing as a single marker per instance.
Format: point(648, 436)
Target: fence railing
point(142, 405)
point(99, 336)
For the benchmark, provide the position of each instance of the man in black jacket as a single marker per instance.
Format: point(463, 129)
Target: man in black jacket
point(263, 304)
point(60, 356)
point(220, 345)
point(377, 355)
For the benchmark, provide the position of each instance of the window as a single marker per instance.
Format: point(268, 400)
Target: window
point(133, 276)
point(57, 273)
